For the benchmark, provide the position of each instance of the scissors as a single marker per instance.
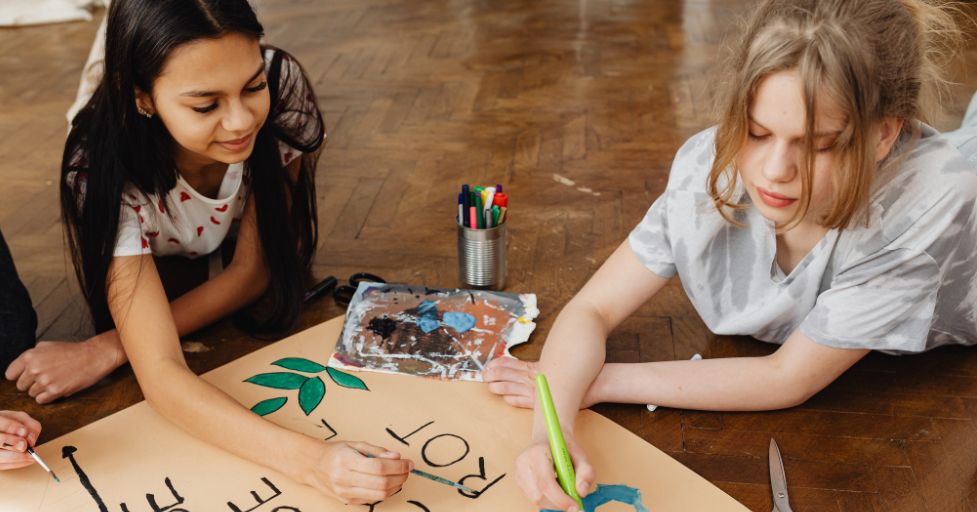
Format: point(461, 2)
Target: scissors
point(778, 480)
point(342, 294)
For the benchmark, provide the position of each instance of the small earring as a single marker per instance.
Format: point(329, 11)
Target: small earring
point(144, 113)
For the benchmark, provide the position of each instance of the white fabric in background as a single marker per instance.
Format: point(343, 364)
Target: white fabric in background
point(15, 13)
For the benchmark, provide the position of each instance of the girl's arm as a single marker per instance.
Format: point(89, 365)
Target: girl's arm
point(149, 335)
point(788, 377)
point(55, 369)
point(572, 358)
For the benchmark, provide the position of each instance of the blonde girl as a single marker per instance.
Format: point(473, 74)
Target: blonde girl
point(822, 214)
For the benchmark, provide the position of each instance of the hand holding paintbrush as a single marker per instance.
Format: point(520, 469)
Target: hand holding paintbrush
point(18, 433)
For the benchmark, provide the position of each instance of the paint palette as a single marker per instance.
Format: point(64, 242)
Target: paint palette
point(431, 332)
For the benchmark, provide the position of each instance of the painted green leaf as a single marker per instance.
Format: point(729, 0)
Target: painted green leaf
point(346, 380)
point(279, 380)
point(269, 406)
point(310, 395)
point(300, 365)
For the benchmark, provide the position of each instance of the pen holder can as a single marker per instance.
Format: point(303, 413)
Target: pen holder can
point(482, 257)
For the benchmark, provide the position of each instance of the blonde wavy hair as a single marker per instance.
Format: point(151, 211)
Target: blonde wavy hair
point(872, 58)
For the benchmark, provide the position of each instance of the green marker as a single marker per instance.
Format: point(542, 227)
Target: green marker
point(561, 459)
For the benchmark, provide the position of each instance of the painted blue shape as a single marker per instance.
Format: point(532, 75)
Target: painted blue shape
point(428, 324)
point(611, 494)
point(428, 309)
point(460, 322)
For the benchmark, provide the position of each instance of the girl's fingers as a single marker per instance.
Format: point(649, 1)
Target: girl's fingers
point(20, 424)
point(510, 363)
point(363, 496)
point(25, 381)
point(14, 460)
point(523, 402)
point(553, 493)
point(383, 463)
point(377, 482)
point(507, 374)
point(14, 369)
point(12, 442)
point(372, 449)
point(511, 388)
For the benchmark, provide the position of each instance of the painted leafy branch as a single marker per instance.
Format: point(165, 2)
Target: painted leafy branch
point(311, 389)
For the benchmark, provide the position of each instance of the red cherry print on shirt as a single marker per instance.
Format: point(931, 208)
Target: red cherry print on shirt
point(162, 209)
point(141, 220)
point(184, 196)
point(153, 234)
point(145, 243)
point(137, 207)
point(215, 221)
point(200, 229)
point(192, 253)
point(221, 209)
point(288, 157)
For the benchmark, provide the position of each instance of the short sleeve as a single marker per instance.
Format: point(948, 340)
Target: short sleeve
point(295, 114)
point(884, 302)
point(649, 240)
point(130, 240)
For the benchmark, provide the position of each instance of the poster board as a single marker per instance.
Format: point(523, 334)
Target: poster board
point(136, 461)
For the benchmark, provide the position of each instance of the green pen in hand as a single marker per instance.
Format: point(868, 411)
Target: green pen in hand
point(558, 447)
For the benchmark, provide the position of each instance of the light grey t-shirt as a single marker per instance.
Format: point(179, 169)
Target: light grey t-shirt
point(907, 282)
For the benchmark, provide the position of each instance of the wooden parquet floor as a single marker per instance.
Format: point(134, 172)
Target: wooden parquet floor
point(578, 108)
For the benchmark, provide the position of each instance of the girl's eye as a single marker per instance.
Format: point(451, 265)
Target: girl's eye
point(258, 87)
point(204, 110)
point(757, 137)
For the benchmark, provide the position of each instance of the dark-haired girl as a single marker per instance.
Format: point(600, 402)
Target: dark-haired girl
point(193, 126)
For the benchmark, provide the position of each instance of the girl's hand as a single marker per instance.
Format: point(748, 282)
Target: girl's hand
point(537, 478)
point(54, 369)
point(346, 473)
point(17, 432)
point(515, 381)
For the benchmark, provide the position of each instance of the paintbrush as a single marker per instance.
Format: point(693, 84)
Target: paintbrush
point(432, 477)
point(32, 453)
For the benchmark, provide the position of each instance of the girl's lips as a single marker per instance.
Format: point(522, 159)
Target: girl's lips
point(237, 144)
point(773, 199)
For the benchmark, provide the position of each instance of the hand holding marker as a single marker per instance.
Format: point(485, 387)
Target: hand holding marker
point(482, 207)
point(558, 447)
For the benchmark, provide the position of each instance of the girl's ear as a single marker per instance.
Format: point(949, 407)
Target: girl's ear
point(144, 103)
point(889, 130)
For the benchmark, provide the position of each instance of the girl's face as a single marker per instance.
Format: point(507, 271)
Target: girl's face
point(212, 96)
point(769, 162)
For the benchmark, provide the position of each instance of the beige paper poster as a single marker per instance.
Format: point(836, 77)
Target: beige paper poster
point(135, 461)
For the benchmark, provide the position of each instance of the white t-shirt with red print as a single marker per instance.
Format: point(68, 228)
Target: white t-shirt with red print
point(188, 223)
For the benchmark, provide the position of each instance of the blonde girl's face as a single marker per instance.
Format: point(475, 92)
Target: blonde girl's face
point(212, 96)
point(770, 161)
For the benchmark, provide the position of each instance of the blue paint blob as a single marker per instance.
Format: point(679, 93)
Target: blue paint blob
point(428, 324)
point(428, 309)
point(460, 322)
point(611, 494)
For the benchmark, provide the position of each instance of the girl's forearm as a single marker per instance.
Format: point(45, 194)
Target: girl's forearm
point(198, 308)
point(217, 298)
point(571, 359)
point(730, 384)
point(214, 417)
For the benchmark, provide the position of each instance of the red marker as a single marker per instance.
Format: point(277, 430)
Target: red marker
point(501, 200)
point(473, 216)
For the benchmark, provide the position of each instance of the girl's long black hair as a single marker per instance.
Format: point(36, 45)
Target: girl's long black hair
point(110, 145)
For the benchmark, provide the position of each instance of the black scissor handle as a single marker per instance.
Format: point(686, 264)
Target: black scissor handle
point(344, 294)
